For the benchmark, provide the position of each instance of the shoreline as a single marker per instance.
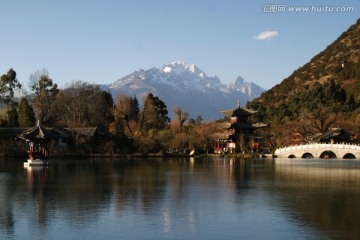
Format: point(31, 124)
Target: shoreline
point(140, 155)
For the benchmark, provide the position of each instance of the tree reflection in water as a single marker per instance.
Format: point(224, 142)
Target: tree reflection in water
point(174, 198)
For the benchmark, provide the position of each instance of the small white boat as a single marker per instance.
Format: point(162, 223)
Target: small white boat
point(35, 162)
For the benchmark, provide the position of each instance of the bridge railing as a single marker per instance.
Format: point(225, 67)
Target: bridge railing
point(318, 145)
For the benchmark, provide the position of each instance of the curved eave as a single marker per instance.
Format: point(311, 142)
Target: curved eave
point(260, 125)
point(238, 111)
point(220, 136)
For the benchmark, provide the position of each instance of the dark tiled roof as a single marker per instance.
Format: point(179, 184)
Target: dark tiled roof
point(238, 112)
point(220, 136)
point(64, 133)
point(11, 132)
point(88, 132)
point(337, 133)
point(38, 133)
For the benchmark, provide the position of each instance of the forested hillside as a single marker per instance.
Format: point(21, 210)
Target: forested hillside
point(323, 93)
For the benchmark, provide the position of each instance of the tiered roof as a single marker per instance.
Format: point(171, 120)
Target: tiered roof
point(239, 112)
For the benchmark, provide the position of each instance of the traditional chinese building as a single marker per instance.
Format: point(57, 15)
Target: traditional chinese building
point(239, 133)
point(333, 135)
point(297, 139)
point(82, 141)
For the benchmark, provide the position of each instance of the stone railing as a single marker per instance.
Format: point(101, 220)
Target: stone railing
point(317, 146)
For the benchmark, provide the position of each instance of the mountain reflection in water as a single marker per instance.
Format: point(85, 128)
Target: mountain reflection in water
point(214, 198)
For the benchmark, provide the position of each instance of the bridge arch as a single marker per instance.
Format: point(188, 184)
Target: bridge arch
point(320, 150)
point(349, 156)
point(328, 154)
point(307, 155)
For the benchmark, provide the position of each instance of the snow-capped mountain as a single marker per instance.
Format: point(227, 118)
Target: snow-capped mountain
point(250, 89)
point(187, 86)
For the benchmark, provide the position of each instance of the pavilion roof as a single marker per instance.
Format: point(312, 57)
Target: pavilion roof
point(239, 111)
point(44, 134)
point(38, 134)
point(219, 135)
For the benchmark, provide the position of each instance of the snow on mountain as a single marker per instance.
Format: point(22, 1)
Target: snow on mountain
point(186, 85)
point(248, 88)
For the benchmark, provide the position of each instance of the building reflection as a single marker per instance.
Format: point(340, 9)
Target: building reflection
point(173, 193)
point(77, 191)
point(36, 178)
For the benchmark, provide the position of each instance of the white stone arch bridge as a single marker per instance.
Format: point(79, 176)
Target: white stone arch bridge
point(320, 150)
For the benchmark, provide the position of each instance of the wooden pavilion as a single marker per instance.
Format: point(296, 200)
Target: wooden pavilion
point(239, 134)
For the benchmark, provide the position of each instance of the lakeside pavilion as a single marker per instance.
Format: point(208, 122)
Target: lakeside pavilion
point(238, 133)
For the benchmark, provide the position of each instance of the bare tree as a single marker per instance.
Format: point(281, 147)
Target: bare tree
point(82, 105)
point(45, 91)
point(127, 114)
point(181, 116)
point(319, 119)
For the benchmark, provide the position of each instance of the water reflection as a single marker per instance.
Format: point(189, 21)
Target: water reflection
point(180, 199)
point(324, 194)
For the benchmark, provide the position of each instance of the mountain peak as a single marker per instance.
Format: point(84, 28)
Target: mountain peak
point(183, 64)
point(249, 88)
point(239, 81)
point(180, 83)
point(181, 67)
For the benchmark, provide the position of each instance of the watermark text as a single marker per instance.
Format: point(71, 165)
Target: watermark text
point(281, 8)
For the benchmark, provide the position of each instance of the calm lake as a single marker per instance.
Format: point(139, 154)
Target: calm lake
point(213, 198)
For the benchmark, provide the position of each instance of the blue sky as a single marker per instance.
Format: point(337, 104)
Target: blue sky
point(100, 41)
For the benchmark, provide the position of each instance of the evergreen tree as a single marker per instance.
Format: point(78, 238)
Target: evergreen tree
point(333, 96)
point(135, 123)
point(8, 82)
point(13, 116)
point(26, 114)
point(101, 109)
point(159, 111)
point(134, 108)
